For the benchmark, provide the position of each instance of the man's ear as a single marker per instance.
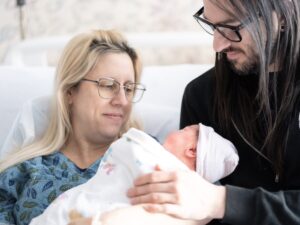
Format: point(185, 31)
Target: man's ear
point(190, 152)
point(281, 22)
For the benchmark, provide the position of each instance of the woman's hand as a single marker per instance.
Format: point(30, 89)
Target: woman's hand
point(185, 195)
point(77, 219)
point(132, 215)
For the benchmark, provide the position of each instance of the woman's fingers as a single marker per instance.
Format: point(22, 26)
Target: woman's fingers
point(81, 221)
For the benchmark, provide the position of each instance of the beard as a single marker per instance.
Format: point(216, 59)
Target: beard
point(252, 63)
point(250, 66)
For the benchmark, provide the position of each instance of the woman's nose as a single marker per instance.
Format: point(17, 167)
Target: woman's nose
point(220, 43)
point(120, 98)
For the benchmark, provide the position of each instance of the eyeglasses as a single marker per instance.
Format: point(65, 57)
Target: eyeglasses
point(108, 88)
point(229, 32)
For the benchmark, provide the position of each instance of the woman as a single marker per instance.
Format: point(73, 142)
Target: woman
point(96, 83)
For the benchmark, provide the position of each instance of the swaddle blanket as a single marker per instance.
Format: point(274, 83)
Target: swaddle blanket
point(134, 154)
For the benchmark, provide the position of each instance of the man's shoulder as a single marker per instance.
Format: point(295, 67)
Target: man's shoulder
point(202, 84)
point(204, 80)
point(198, 99)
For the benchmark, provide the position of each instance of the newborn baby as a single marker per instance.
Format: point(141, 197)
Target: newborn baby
point(134, 154)
point(202, 150)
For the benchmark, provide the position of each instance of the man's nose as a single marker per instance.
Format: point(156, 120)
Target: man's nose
point(220, 43)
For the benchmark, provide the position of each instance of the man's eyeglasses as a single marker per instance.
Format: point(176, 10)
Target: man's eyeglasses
point(108, 88)
point(229, 32)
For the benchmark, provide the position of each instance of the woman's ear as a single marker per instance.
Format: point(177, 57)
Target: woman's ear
point(190, 152)
point(70, 94)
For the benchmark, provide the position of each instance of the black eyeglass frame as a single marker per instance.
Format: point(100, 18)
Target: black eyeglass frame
point(141, 88)
point(235, 29)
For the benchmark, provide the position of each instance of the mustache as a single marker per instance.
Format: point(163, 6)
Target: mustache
point(230, 49)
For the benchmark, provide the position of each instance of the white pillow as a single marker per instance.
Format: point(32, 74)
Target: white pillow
point(30, 123)
point(157, 120)
point(18, 85)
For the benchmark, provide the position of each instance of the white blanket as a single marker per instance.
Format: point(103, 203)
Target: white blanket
point(134, 154)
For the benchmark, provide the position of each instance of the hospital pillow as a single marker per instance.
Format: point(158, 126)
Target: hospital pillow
point(30, 123)
point(18, 85)
point(157, 120)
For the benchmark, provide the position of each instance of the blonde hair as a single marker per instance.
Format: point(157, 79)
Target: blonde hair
point(78, 58)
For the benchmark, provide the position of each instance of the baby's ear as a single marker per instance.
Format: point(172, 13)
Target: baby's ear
point(191, 152)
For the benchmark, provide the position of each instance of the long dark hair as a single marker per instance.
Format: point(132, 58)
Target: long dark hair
point(266, 108)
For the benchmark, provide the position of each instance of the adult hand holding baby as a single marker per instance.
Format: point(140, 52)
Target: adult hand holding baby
point(135, 215)
point(183, 194)
point(77, 219)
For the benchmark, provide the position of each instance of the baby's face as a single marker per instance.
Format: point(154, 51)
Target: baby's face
point(178, 141)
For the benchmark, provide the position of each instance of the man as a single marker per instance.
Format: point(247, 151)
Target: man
point(250, 97)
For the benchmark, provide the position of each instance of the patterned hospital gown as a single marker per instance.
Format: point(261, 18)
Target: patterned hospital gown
point(29, 187)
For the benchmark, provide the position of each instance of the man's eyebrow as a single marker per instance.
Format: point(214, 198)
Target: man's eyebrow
point(229, 20)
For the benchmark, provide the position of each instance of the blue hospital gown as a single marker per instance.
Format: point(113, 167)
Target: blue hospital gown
point(29, 187)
